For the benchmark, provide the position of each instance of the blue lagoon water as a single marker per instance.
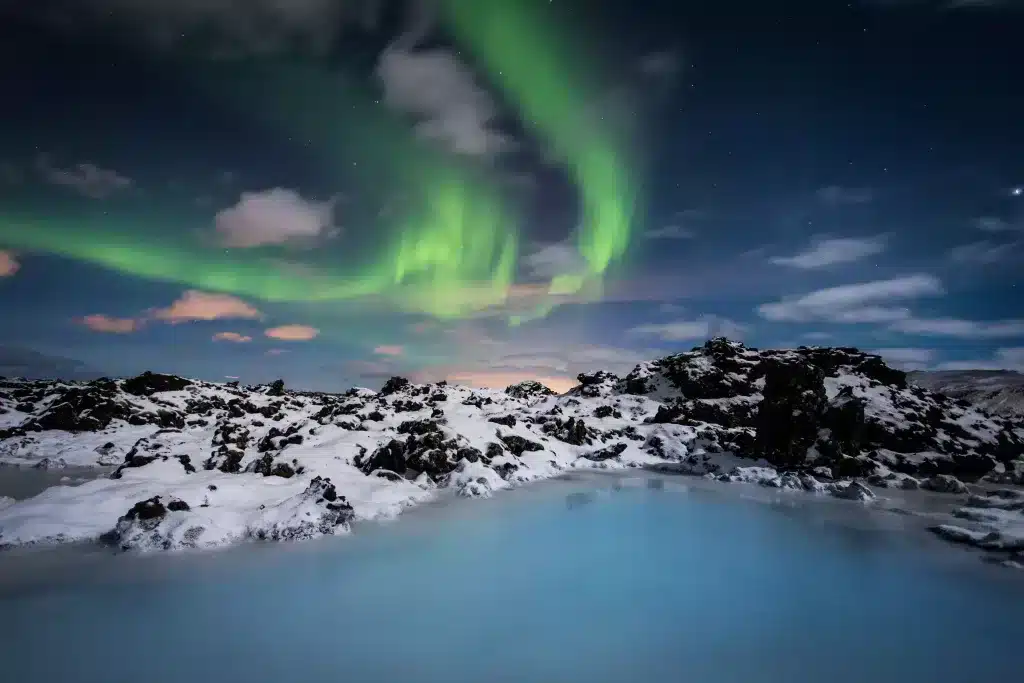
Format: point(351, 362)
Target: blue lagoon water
point(560, 582)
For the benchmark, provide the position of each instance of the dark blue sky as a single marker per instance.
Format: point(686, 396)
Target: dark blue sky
point(809, 172)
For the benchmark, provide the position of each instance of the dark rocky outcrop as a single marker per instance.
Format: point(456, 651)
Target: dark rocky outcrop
point(528, 389)
point(149, 383)
point(394, 385)
point(790, 413)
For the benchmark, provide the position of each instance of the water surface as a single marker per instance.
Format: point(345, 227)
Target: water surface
point(639, 584)
point(19, 482)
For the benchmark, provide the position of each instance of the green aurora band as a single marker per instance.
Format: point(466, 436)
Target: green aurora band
point(534, 67)
point(455, 247)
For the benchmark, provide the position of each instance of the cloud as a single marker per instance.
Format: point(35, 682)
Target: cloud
point(671, 232)
point(835, 195)
point(16, 361)
point(983, 252)
point(276, 352)
point(830, 251)
point(197, 305)
point(966, 4)
point(105, 323)
point(8, 264)
point(906, 355)
point(228, 27)
point(857, 303)
point(1003, 359)
point(528, 353)
point(1012, 357)
point(389, 350)
point(960, 329)
point(292, 332)
point(532, 361)
point(554, 259)
point(685, 330)
point(371, 369)
point(441, 92)
point(993, 224)
point(86, 179)
point(679, 229)
point(662, 64)
point(232, 337)
point(276, 216)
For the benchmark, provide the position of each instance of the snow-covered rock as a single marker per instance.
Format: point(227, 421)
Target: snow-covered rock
point(992, 521)
point(203, 464)
point(944, 483)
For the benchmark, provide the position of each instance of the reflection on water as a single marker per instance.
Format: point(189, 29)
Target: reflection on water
point(633, 584)
point(24, 482)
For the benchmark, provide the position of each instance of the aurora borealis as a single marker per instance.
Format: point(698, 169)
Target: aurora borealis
point(454, 251)
point(501, 187)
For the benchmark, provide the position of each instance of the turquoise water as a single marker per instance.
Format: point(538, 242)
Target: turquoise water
point(638, 584)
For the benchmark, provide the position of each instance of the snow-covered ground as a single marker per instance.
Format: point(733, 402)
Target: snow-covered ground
point(203, 465)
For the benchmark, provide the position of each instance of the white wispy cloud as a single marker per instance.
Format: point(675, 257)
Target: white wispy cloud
point(228, 28)
point(671, 232)
point(824, 252)
point(866, 302)
point(836, 195)
point(681, 226)
point(685, 330)
point(996, 224)
point(437, 88)
point(548, 260)
point(983, 252)
point(1010, 358)
point(960, 328)
point(906, 355)
point(87, 179)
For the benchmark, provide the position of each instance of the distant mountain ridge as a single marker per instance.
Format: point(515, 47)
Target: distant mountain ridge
point(1000, 392)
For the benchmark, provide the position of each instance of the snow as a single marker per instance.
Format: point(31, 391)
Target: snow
point(995, 522)
point(228, 507)
point(294, 447)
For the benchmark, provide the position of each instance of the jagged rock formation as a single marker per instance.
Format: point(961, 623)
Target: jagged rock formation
point(244, 460)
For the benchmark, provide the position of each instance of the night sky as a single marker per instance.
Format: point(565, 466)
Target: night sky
point(336, 191)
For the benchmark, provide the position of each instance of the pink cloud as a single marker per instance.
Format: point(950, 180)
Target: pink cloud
point(104, 323)
point(232, 337)
point(196, 305)
point(292, 332)
point(389, 350)
point(8, 264)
